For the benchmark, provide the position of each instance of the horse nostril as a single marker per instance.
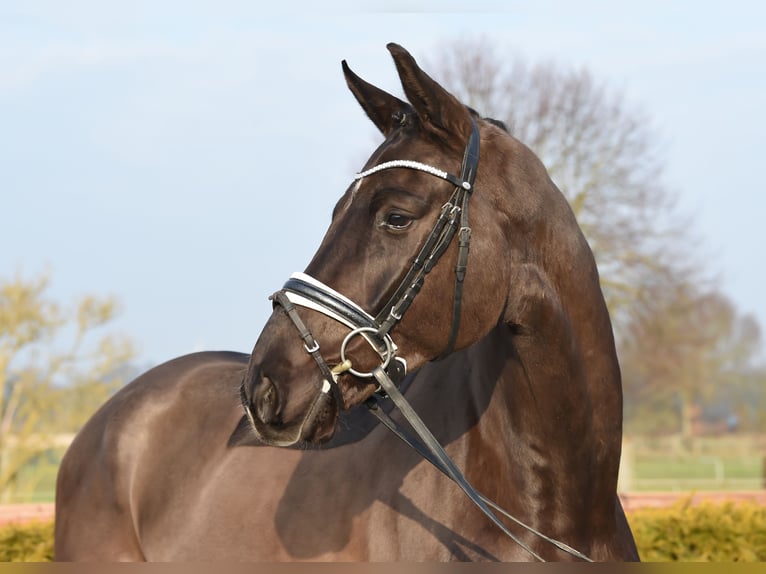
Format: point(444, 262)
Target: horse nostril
point(266, 402)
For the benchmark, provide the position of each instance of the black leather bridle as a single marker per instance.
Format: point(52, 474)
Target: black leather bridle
point(306, 291)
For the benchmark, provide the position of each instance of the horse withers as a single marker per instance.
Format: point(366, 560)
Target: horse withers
point(495, 311)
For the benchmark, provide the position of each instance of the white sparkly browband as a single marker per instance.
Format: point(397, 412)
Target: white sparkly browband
point(411, 165)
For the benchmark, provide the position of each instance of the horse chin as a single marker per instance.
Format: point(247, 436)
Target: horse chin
point(356, 391)
point(317, 426)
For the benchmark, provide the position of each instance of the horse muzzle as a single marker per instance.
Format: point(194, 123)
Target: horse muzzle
point(294, 393)
point(283, 417)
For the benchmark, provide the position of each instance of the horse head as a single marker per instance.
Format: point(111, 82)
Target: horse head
point(414, 186)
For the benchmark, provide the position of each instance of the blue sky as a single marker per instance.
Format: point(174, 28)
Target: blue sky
point(185, 156)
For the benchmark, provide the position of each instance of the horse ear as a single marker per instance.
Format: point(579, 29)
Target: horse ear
point(438, 110)
point(385, 111)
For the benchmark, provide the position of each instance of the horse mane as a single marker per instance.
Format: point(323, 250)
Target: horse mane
point(497, 123)
point(401, 118)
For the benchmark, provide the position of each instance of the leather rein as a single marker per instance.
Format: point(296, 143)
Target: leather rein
point(305, 291)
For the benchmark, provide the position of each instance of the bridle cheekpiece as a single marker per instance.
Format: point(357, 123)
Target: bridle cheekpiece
point(308, 292)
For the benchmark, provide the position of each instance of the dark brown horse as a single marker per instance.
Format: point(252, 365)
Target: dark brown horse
point(528, 404)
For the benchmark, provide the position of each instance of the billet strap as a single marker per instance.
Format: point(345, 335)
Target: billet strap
point(439, 239)
point(463, 247)
point(468, 172)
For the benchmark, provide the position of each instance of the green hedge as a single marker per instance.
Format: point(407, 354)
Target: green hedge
point(31, 542)
point(705, 533)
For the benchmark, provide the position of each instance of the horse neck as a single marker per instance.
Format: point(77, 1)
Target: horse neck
point(555, 300)
point(560, 387)
point(579, 320)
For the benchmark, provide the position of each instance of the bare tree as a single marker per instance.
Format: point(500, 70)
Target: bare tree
point(684, 349)
point(602, 154)
point(681, 342)
point(54, 373)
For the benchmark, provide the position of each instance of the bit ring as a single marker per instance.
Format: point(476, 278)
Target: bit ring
point(358, 331)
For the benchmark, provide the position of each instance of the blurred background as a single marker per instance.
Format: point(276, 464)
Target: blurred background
point(150, 152)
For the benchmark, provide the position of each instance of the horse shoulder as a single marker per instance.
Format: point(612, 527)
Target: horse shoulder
point(100, 480)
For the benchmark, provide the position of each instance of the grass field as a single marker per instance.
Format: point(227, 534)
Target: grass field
point(709, 464)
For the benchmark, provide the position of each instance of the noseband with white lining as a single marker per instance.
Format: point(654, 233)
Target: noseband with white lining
point(308, 292)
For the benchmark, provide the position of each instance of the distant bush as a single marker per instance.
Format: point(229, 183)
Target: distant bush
point(706, 532)
point(31, 542)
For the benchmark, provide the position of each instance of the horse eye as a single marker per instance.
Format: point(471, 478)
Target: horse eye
point(398, 221)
